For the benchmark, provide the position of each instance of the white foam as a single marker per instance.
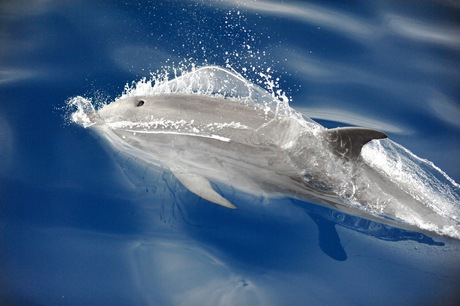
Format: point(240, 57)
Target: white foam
point(421, 179)
point(85, 113)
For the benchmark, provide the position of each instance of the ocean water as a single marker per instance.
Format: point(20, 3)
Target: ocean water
point(81, 224)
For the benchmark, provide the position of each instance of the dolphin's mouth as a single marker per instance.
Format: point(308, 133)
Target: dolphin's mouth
point(85, 115)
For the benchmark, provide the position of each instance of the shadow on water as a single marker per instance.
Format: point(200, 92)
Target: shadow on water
point(329, 240)
point(263, 231)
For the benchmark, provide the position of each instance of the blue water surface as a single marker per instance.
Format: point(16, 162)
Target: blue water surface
point(82, 225)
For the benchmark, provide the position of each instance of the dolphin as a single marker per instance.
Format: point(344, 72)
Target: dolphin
point(264, 148)
point(203, 139)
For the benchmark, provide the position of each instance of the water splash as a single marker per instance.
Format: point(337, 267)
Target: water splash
point(213, 81)
point(420, 178)
point(85, 114)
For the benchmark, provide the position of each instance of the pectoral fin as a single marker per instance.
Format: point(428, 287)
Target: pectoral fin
point(349, 141)
point(201, 186)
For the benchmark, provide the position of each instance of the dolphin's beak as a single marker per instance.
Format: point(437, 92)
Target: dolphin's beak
point(85, 115)
point(94, 117)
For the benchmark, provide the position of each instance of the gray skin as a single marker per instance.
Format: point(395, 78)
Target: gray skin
point(255, 149)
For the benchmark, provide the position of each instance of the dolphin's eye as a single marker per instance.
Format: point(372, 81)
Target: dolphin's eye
point(140, 103)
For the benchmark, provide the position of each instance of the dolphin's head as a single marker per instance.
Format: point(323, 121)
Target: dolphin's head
point(129, 108)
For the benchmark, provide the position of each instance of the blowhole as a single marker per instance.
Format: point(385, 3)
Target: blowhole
point(140, 103)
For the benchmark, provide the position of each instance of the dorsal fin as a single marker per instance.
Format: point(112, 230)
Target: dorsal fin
point(349, 141)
